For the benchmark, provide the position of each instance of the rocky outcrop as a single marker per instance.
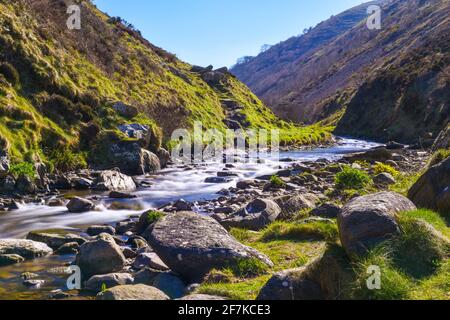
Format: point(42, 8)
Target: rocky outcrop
point(138, 292)
point(80, 205)
point(101, 256)
point(366, 221)
point(443, 140)
point(27, 249)
point(432, 190)
point(192, 245)
point(255, 216)
point(114, 181)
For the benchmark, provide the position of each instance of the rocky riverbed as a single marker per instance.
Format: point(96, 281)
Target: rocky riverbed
point(156, 237)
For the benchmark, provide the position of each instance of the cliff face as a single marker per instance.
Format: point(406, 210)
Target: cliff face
point(393, 82)
point(59, 87)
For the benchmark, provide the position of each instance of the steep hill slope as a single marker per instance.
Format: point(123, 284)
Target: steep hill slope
point(270, 74)
point(59, 87)
point(394, 80)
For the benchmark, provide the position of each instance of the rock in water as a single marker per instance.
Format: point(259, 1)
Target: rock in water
point(366, 221)
point(25, 248)
point(191, 245)
point(114, 181)
point(55, 241)
point(80, 205)
point(8, 259)
point(101, 256)
point(133, 292)
point(432, 189)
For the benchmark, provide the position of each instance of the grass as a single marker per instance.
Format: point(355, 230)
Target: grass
point(277, 182)
point(404, 182)
point(23, 169)
point(414, 265)
point(297, 231)
point(439, 156)
point(350, 178)
point(285, 254)
point(379, 168)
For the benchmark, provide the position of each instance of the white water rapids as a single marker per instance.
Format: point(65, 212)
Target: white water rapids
point(168, 185)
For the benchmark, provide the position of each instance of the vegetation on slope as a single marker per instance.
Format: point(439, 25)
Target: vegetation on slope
point(58, 86)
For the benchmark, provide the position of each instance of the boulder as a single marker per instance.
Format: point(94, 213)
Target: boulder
point(164, 157)
point(25, 185)
point(25, 248)
point(125, 110)
point(138, 292)
point(114, 181)
point(96, 230)
point(192, 244)
point(170, 284)
point(366, 221)
point(384, 179)
point(111, 280)
point(131, 159)
point(7, 184)
point(9, 259)
point(80, 205)
point(149, 260)
point(321, 279)
point(291, 205)
point(101, 256)
point(378, 154)
point(326, 210)
point(431, 190)
point(255, 216)
point(55, 241)
point(121, 195)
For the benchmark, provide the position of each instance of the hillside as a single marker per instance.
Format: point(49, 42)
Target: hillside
point(393, 82)
point(60, 88)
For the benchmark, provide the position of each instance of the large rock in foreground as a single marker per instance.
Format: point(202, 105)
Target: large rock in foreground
point(192, 245)
point(322, 279)
point(432, 190)
point(80, 205)
point(101, 256)
point(366, 221)
point(115, 181)
point(133, 292)
point(25, 248)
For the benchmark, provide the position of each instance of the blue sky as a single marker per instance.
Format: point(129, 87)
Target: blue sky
point(218, 32)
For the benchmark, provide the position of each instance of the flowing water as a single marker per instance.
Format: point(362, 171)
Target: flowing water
point(178, 182)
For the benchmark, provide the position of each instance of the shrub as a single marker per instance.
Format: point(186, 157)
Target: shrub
point(385, 168)
point(439, 156)
point(10, 73)
point(23, 169)
point(154, 216)
point(65, 159)
point(350, 178)
point(277, 182)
